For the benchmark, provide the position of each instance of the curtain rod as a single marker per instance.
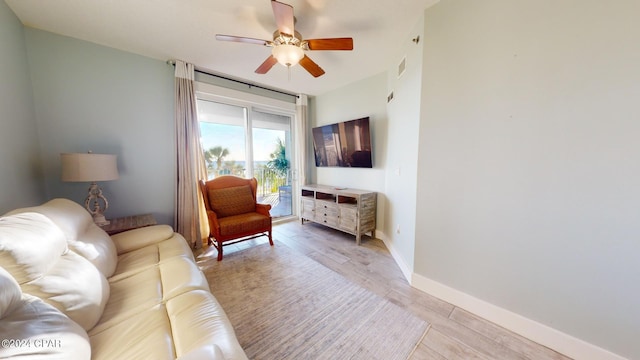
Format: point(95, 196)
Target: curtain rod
point(250, 85)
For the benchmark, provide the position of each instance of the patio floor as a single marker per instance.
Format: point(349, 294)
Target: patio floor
point(280, 203)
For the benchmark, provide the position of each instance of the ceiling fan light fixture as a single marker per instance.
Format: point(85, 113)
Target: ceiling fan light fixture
point(288, 47)
point(287, 55)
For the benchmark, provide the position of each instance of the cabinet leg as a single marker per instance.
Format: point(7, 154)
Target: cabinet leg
point(358, 239)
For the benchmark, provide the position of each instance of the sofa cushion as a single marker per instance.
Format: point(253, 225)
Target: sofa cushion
point(43, 333)
point(232, 201)
point(29, 245)
point(11, 295)
point(34, 251)
point(244, 223)
point(82, 234)
point(154, 285)
point(140, 259)
point(199, 320)
point(209, 352)
point(147, 334)
point(75, 287)
point(36, 329)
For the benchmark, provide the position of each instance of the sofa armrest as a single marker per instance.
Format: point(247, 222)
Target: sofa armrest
point(138, 238)
point(263, 209)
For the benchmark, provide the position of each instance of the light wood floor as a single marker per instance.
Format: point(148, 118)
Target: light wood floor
point(453, 333)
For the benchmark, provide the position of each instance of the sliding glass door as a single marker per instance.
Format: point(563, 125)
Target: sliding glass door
point(249, 142)
point(271, 138)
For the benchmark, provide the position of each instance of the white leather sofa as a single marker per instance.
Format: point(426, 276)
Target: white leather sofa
point(69, 291)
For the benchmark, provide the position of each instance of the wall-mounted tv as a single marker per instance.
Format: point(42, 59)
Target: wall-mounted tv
point(345, 144)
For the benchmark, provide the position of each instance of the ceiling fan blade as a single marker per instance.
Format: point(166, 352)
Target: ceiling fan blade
point(284, 17)
point(241, 39)
point(311, 66)
point(266, 65)
point(331, 44)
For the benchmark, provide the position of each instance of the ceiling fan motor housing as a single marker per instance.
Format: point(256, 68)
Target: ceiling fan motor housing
point(286, 39)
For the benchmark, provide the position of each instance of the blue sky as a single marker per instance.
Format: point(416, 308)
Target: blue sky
point(233, 138)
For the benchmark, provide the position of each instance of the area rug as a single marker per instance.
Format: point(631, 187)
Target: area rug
point(284, 305)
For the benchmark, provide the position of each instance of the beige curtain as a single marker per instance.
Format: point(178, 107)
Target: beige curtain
point(302, 125)
point(190, 216)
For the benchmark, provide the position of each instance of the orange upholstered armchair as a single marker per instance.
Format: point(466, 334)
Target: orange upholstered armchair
point(233, 213)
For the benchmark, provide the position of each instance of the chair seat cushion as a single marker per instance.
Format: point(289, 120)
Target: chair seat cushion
point(244, 223)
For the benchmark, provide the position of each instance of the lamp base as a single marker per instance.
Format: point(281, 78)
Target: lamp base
point(100, 220)
point(95, 195)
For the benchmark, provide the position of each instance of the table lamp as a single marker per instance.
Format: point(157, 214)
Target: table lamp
point(90, 167)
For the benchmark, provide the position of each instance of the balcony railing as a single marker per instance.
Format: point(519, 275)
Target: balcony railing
point(269, 182)
point(273, 188)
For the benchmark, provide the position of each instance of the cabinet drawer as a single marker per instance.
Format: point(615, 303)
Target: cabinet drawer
point(330, 219)
point(326, 205)
point(326, 212)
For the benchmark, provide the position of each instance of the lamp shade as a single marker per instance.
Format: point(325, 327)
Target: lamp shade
point(88, 167)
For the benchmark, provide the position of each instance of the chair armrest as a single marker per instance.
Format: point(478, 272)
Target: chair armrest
point(213, 222)
point(263, 209)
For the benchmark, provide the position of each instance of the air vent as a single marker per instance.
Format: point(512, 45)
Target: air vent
point(402, 67)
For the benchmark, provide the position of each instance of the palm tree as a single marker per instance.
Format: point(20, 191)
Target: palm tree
point(279, 163)
point(217, 154)
point(234, 168)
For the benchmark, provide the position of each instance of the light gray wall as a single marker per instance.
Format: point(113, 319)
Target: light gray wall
point(402, 150)
point(91, 97)
point(21, 180)
point(361, 99)
point(529, 165)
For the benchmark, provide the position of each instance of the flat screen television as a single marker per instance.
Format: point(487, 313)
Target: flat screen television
point(344, 144)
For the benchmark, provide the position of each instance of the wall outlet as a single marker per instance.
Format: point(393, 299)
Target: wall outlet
point(398, 229)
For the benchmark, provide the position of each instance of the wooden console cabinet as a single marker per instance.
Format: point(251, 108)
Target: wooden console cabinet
point(350, 210)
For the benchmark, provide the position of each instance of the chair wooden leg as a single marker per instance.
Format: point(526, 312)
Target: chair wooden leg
point(270, 238)
point(219, 250)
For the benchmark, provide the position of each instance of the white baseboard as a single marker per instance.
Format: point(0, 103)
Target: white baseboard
point(535, 331)
point(532, 330)
point(396, 256)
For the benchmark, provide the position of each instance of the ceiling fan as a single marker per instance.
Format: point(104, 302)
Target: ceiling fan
point(288, 45)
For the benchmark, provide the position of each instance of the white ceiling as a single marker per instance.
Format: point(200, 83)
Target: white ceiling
point(178, 29)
